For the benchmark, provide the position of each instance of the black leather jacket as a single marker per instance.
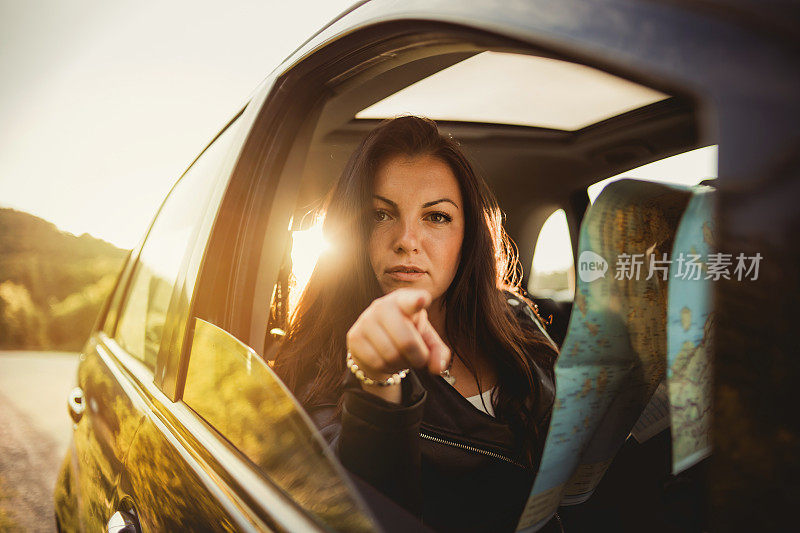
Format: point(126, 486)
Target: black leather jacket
point(447, 462)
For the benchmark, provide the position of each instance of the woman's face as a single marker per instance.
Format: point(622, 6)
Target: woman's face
point(418, 225)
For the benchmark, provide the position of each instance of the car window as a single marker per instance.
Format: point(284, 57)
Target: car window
point(144, 312)
point(115, 297)
point(687, 168)
point(519, 163)
point(553, 268)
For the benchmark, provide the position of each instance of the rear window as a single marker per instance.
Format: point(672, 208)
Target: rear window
point(688, 168)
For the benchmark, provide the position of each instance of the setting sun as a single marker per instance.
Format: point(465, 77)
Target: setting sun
point(307, 246)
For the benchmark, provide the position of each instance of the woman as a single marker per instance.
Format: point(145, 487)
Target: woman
point(410, 348)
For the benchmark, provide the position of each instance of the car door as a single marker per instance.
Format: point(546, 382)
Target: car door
point(235, 453)
point(107, 415)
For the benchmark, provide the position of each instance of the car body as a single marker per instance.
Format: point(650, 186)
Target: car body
point(179, 422)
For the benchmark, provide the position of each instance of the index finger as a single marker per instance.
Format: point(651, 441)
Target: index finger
point(439, 358)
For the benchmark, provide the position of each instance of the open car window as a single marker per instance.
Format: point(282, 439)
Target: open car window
point(533, 165)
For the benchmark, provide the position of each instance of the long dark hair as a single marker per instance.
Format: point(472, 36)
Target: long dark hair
point(478, 317)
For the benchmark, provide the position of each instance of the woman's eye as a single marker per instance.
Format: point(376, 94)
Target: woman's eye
point(439, 218)
point(380, 215)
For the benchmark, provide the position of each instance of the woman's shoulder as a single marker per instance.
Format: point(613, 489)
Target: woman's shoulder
point(543, 351)
point(524, 310)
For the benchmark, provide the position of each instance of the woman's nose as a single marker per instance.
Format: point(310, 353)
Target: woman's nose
point(408, 238)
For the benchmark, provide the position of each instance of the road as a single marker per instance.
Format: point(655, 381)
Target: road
point(35, 431)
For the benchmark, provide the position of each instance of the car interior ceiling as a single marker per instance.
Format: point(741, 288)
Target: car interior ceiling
point(532, 171)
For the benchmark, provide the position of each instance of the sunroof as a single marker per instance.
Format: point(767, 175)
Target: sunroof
point(503, 88)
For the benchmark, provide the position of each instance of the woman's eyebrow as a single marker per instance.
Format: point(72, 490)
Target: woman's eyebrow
point(381, 198)
point(440, 200)
point(426, 204)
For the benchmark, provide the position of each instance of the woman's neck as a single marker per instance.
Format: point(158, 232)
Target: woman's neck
point(465, 382)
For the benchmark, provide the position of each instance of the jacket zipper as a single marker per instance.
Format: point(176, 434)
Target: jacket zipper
point(470, 448)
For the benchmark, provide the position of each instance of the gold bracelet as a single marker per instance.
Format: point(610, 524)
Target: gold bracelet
point(394, 379)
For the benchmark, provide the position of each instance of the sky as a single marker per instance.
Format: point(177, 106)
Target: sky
point(104, 104)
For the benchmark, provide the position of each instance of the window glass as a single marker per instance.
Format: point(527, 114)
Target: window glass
point(553, 270)
point(235, 391)
point(117, 295)
point(145, 310)
point(688, 168)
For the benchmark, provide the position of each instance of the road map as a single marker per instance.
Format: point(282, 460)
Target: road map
point(614, 355)
point(689, 344)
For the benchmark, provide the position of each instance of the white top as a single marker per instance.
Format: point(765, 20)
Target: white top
point(487, 399)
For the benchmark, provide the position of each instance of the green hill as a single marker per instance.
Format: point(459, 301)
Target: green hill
point(52, 283)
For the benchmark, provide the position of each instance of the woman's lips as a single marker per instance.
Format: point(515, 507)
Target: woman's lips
point(401, 275)
point(405, 273)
